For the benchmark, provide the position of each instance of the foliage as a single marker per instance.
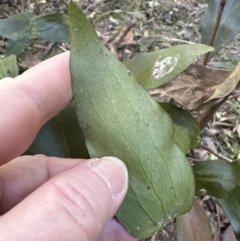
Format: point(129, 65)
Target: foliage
point(24, 27)
point(228, 27)
point(118, 117)
point(8, 67)
point(159, 67)
point(136, 131)
point(216, 177)
point(231, 205)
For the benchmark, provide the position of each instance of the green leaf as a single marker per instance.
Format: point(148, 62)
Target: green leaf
point(73, 134)
point(181, 138)
point(26, 27)
point(194, 225)
point(60, 137)
point(136, 14)
point(17, 27)
point(159, 67)
point(182, 118)
point(14, 47)
point(229, 25)
point(231, 206)
point(234, 58)
point(217, 177)
point(50, 141)
point(223, 65)
point(122, 120)
point(8, 67)
point(51, 27)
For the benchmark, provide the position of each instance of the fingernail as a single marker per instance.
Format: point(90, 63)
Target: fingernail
point(114, 173)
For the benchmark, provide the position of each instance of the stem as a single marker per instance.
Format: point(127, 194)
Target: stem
point(215, 28)
point(22, 6)
point(119, 38)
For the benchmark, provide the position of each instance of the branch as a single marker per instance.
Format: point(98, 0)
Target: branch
point(215, 153)
point(215, 28)
point(119, 38)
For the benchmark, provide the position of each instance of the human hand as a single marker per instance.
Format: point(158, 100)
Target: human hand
point(49, 198)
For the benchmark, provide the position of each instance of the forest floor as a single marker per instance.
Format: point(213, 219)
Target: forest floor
point(167, 23)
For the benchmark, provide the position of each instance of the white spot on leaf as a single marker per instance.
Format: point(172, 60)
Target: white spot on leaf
point(164, 66)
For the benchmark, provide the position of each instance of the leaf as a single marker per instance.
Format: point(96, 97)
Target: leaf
point(181, 138)
point(229, 25)
point(52, 27)
point(60, 137)
point(227, 86)
point(159, 67)
point(194, 225)
point(8, 67)
point(193, 86)
point(14, 47)
point(122, 120)
point(17, 27)
point(73, 133)
point(26, 27)
point(184, 119)
point(217, 177)
point(228, 234)
point(234, 58)
point(136, 14)
point(226, 65)
point(231, 206)
point(50, 141)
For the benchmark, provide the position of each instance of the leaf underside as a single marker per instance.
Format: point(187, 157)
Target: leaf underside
point(119, 118)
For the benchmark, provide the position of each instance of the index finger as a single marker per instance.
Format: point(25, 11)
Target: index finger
point(29, 101)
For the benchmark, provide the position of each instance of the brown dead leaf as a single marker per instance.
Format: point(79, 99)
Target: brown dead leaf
point(193, 86)
point(228, 85)
point(128, 39)
point(194, 225)
point(229, 235)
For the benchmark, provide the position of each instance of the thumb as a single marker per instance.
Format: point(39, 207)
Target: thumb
point(74, 205)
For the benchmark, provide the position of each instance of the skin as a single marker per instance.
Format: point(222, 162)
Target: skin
point(49, 198)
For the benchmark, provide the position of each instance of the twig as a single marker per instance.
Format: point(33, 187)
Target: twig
point(64, 3)
point(215, 28)
point(153, 238)
point(217, 225)
point(234, 96)
point(176, 40)
point(223, 124)
point(63, 49)
point(22, 6)
point(119, 38)
point(153, 6)
point(39, 46)
point(215, 153)
point(48, 50)
point(169, 39)
point(139, 3)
